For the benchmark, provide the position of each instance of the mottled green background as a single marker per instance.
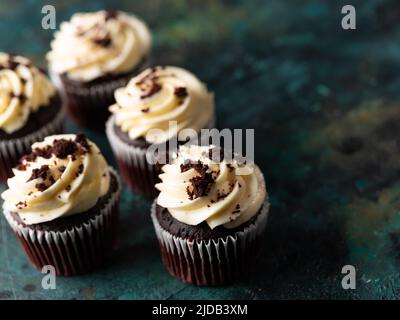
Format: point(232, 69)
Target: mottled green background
point(324, 103)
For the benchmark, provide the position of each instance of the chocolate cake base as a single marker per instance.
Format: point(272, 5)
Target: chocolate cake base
point(88, 102)
point(204, 257)
point(48, 120)
point(75, 244)
point(36, 120)
point(197, 233)
point(123, 136)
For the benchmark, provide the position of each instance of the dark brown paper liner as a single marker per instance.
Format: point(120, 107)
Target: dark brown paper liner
point(139, 175)
point(74, 251)
point(88, 107)
point(12, 150)
point(211, 262)
point(88, 103)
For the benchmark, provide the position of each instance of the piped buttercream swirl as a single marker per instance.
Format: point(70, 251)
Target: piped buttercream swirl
point(64, 175)
point(161, 95)
point(94, 44)
point(23, 90)
point(197, 189)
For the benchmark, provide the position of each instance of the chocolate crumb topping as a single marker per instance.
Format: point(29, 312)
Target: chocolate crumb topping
point(154, 88)
point(145, 110)
point(62, 169)
point(21, 205)
point(41, 186)
point(52, 180)
point(111, 14)
point(200, 186)
point(237, 209)
point(103, 41)
point(21, 167)
point(39, 173)
point(81, 139)
point(44, 153)
point(221, 195)
point(151, 76)
point(199, 166)
point(181, 92)
point(68, 188)
point(80, 170)
point(63, 148)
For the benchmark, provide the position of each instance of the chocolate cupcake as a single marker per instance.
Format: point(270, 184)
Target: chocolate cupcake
point(209, 217)
point(30, 109)
point(92, 55)
point(160, 105)
point(62, 204)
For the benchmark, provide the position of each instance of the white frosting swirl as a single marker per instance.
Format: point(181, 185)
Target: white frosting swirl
point(145, 107)
point(46, 186)
point(93, 44)
point(23, 90)
point(230, 200)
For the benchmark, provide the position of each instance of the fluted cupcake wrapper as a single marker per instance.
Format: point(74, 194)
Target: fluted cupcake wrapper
point(140, 175)
point(87, 104)
point(74, 251)
point(88, 107)
point(211, 262)
point(12, 150)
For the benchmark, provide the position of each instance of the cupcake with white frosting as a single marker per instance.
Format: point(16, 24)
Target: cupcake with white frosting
point(92, 55)
point(30, 109)
point(156, 106)
point(62, 204)
point(209, 216)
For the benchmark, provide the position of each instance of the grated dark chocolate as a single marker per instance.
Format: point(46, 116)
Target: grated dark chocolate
point(154, 88)
point(39, 173)
point(41, 186)
point(181, 92)
point(111, 14)
point(81, 139)
point(103, 41)
point(199, 166)
point(200, 186)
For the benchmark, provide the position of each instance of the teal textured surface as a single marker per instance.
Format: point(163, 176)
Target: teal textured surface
point(324, 105)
